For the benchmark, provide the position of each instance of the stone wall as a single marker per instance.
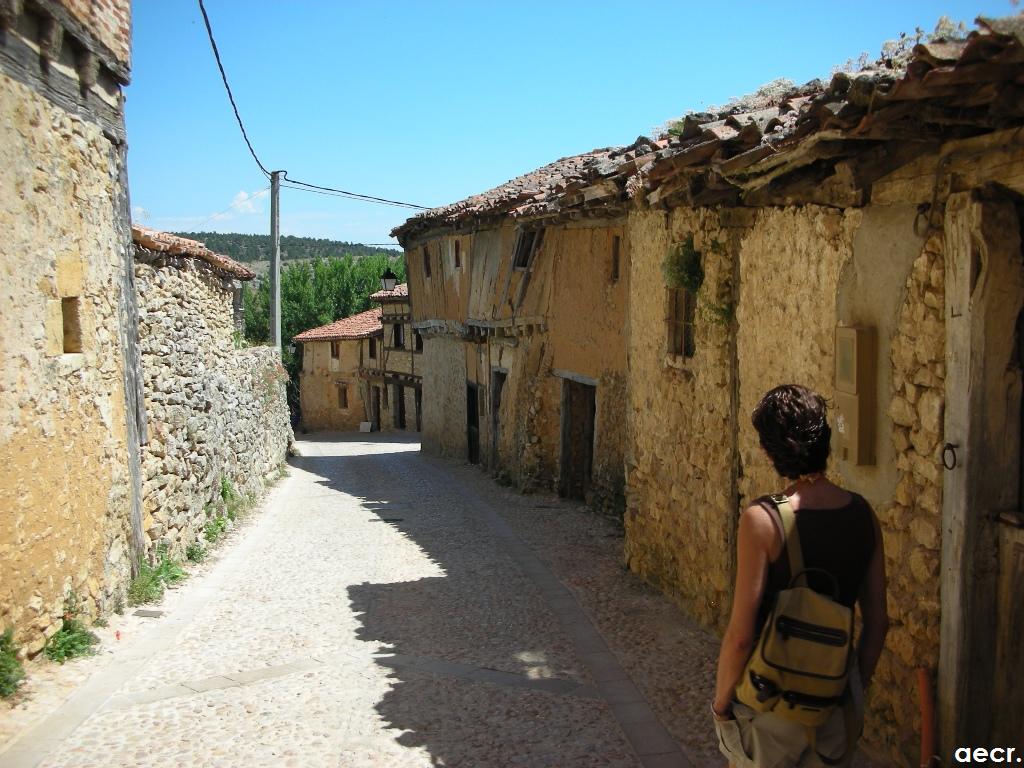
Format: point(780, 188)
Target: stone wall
point(65, 488)
point(695, 460)
point(681, 506)
point(911, 523)
point(790, 267)
point(215, 412)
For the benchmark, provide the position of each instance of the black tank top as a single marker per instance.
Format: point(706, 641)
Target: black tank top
point(840, 541)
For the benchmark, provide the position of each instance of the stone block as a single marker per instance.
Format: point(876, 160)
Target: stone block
point(70, 273)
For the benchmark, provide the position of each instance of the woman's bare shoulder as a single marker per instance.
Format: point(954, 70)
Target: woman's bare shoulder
point(756, 521)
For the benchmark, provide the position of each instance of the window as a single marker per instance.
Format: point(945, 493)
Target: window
point(343, 396)
point(682, 306)
point(335, 350)
point(398, 336)
point(616, 248)
point(72, 324)
point(419, 341)
point(426, 262)
point(527, 245)
point(458, 255)
point(373, 349)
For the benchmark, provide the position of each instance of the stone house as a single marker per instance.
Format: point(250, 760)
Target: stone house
point(70, 413)
point(393, 378)
point(333, 395)
point(523, 314)
point(216, 410)
point(861, 236)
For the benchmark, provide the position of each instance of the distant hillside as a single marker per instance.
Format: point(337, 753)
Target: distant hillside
point(250, 248)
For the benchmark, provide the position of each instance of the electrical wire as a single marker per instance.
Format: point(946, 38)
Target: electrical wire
point(306, 186)
point(354, 195)
point(331, 192)
point(231, 97)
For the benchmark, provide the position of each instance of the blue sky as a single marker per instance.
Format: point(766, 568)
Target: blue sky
point(429, 102)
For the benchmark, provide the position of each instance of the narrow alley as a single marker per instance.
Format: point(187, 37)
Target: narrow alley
point(387, 608)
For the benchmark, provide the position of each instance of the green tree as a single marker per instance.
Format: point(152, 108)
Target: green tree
point(314, 293)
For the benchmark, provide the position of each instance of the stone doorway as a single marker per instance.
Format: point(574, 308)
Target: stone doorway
point(579, 409)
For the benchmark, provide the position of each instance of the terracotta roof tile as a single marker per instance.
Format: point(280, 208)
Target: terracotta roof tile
point(165, 242)
point(739, 153)
point(401, 293)
point(361, 326)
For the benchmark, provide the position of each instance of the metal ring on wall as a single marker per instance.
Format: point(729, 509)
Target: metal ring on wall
point(949, 459)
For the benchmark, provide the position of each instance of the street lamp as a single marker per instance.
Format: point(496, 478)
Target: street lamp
point(388, 280)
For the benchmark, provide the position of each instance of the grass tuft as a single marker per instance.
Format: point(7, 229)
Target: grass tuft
point(148, 586)
point(195, 552)
point(73, 639)
point(11, 671)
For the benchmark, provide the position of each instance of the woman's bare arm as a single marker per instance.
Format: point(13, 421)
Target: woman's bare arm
point(755, 537)
point(873, 610)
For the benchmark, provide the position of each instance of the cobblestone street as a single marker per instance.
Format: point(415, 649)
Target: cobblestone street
point(390, 609)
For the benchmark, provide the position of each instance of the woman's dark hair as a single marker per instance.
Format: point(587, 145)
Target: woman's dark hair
point(792, 422)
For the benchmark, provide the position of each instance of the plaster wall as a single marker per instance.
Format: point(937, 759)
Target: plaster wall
point(444, 396)
point(65, 489)
point(319, 381)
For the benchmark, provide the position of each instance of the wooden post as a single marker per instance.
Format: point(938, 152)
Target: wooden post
point(275, 259)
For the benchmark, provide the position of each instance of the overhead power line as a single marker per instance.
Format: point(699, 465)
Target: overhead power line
point(231, 97)
point(293, 183)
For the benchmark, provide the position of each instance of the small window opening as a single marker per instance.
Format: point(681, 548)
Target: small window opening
point(616, 248)
point(458, 255)
point(343, 396)
point(335, 350)
point(682, 310)
point(527, 246)
point(426, 261)
point(398, 336)
point(72, 324)
point(419, 341)
point(373, 349)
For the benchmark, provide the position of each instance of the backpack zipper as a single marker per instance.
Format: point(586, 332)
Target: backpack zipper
point(789, 627)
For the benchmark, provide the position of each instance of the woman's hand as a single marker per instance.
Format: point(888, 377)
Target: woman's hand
point(722, 713)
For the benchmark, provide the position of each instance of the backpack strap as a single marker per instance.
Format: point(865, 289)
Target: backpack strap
point(790, 534)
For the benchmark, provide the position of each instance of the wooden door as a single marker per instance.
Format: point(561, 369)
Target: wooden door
point(473, 422)
point(375, 409)
point(497, 387)
point(579, 408)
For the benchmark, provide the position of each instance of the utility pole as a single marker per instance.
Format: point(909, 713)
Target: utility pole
point(275, 259)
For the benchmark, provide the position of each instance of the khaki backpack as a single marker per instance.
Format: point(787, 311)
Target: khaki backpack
point(801, 664)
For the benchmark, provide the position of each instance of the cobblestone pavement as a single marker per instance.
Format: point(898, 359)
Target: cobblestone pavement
point(392, 609)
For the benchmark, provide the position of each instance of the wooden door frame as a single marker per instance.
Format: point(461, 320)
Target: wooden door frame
point(983, 276)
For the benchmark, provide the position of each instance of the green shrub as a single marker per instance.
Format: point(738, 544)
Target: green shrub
point(195, 552)
point(148, 586)
point(227, 490)
point(682, 266)
point(167, 570)
point(73, 639)
point(215, 528)
point(11, 671)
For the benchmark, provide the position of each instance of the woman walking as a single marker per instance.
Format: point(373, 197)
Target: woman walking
point(838, 533)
